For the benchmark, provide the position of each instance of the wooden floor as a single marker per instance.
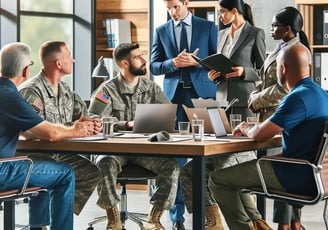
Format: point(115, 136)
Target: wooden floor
point(138, 201)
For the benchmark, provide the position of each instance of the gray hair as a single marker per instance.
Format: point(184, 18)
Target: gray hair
point(14, 58)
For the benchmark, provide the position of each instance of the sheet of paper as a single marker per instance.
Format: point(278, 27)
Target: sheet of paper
point(99, 136)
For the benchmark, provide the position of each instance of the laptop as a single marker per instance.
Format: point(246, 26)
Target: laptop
point(218, 124)
point(204, 103)
point(200, 113)
point(151, 118)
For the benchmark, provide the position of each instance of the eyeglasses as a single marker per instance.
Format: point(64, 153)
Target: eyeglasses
point(276, 25)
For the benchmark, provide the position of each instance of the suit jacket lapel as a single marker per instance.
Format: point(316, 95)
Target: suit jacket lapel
point(222, 39)
point(169, 28)
point(196, 28)
point(243, 35)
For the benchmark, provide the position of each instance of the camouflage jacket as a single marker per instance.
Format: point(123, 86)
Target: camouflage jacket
point(115, 98)
point(269, 92)
point(64, 108)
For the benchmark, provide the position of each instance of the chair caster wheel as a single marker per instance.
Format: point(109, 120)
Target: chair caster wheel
point(90, 228)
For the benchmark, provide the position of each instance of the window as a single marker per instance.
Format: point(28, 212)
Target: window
point(46, 20)
point(34, 22)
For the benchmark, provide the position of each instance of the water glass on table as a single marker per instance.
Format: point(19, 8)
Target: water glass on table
point(184, 127)
point(252, 121)
point(108, 127)
point(197, 127)
point(235, 119)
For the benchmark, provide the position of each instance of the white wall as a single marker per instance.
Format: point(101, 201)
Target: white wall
point(160, 17)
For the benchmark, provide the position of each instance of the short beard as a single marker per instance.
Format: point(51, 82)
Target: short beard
point(137, 71)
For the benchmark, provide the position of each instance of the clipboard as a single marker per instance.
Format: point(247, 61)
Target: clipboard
point(216, 62)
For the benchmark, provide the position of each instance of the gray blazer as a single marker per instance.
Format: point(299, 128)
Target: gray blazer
point(248, 52)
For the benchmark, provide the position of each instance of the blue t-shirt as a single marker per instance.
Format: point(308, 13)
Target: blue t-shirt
point(302, 114)
point(15, 115)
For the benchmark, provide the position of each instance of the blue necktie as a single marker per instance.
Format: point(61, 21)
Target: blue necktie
point(183, 37)
point(184, 72)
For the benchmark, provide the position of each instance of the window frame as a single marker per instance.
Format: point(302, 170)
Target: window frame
point(83, 26)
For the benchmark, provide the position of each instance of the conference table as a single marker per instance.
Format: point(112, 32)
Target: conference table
point(199, 151)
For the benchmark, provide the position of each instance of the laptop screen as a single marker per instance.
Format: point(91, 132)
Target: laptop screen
point(216, 121)
point(150, 118)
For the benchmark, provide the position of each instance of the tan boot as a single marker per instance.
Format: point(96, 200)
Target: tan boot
point(153, 222)
point(113, 216)
point(261, 225)
point(213, 218)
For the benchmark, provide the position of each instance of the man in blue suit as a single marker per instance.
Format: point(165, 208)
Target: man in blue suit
point(184, 78)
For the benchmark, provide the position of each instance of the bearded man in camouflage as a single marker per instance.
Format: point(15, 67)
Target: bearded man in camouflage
point(118, 98)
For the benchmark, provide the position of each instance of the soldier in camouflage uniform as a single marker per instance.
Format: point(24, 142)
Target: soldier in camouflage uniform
point(55, 102)
point(286, 26)
point(118, 98)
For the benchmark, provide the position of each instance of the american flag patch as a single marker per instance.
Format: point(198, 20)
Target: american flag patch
point(102, 97)
point(37, 104)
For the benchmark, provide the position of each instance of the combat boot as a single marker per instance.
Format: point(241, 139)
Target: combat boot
point(213, 218)
point(261, 225)
point(153, 222)
point(113, 216)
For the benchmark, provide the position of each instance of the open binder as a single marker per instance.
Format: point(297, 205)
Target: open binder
point(216, 62)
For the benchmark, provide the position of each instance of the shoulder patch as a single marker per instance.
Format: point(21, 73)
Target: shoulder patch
point(102, 97)
point(37, 104)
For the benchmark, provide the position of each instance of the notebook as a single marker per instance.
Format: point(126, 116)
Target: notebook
point(150, 118)
point(218, 124)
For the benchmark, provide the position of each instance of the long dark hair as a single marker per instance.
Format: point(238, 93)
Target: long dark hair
point(242, 8)
point(290, 16)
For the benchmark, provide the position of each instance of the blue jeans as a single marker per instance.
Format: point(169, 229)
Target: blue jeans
point(55, 207)
point(177, 211)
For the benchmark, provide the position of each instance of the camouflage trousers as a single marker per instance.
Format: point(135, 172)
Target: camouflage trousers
point(211, 165)
point(87, 174)
point(167, 170)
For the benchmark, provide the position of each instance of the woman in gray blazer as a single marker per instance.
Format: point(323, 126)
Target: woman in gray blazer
point(244, 44)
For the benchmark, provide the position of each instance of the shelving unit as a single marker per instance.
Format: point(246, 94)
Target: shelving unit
point(204, 9)
point(134, 11)
point(312, 11)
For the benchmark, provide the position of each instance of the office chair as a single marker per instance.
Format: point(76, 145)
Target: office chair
point(9, 197)
point(320, 174)
point(130, 174)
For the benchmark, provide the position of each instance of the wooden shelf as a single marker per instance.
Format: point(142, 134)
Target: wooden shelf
point(310, 2)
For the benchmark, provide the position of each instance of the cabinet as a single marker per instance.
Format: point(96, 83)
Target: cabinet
point(313, 15)
point(205, 9)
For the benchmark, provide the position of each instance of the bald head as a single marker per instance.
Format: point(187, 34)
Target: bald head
point(293, 64)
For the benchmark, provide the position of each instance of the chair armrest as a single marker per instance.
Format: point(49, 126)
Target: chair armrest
point(284, 159)
point(28, 173)
point(281, 160)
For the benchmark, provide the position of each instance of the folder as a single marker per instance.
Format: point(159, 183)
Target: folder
point(216, 62)
point(325, 28)
point(318, 25)
point(324, 70)
point(317, 67)
point(117, 31)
